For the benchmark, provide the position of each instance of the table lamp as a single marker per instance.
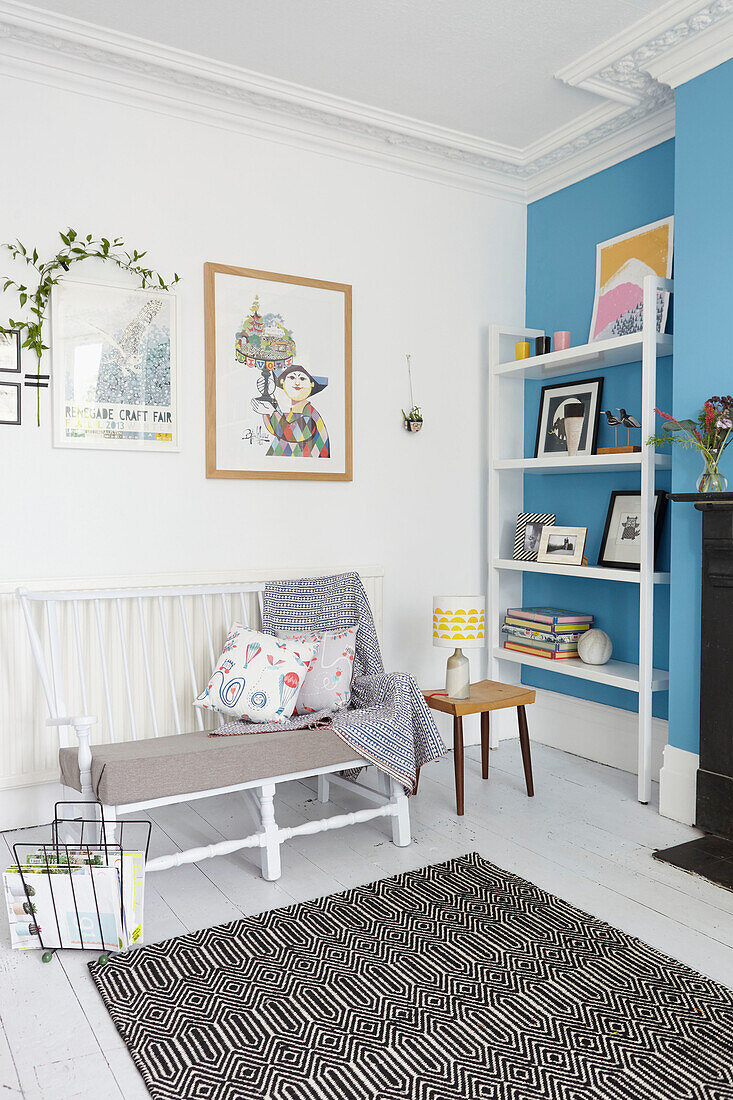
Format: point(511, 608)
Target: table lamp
point(458, 621)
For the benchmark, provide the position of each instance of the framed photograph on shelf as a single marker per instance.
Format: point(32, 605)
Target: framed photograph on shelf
point(278, 376)
point(529, 531)
point(10, 352)
point(9, 402)
point(562, 545)
point(115, 378)
point(621, 542)
point(555, 400)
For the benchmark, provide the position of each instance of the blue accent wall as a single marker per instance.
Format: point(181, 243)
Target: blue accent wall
point(703, 279)
point(563, 230)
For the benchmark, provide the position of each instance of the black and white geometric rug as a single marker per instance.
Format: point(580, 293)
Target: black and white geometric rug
point(455, 981)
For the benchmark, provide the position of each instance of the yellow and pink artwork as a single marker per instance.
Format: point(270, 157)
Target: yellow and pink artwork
point(621, 266)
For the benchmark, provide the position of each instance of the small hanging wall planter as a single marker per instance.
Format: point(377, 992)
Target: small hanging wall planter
point(412, 420)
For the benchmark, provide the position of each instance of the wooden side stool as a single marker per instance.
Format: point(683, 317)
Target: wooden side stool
point(484, 697)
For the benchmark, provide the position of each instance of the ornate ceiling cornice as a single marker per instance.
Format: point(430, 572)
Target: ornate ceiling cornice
point(627, 73)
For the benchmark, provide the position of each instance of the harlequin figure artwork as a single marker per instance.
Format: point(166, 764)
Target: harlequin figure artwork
point(278, 363)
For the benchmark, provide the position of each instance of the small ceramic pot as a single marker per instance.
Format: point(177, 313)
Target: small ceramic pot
point(413, 425)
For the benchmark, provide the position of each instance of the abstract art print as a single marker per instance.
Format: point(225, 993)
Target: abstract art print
point(556, 400)
point(114, 367)
point(621, 267)
point(278, 376)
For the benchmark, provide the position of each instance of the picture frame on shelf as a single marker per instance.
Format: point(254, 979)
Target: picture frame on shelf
point(550, 440)
point(528, 534)
point(10, 352)
point(562, 545)
point(9, 402)
point(621, 542)
point(621, 265)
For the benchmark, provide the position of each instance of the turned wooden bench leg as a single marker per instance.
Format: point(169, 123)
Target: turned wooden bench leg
point(485, 737)
point(458, 761)
point(270, 852)
point(524, 743)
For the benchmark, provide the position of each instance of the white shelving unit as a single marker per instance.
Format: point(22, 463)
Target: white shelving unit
point(507, 470)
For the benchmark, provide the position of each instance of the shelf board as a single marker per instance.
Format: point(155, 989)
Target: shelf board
point(580, 464)
point(588, 572)
point(615, 673)
point(584, 357)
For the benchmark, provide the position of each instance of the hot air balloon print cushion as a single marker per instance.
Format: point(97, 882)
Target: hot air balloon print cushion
point(258, 676)
point(328, 683)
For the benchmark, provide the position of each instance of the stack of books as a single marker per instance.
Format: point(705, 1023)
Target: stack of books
point(544, 631)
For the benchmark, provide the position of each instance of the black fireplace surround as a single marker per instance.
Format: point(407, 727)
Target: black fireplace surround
point(712, 856)
point(715, 773)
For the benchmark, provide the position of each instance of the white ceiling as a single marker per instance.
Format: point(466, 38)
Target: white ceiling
point(482, 67)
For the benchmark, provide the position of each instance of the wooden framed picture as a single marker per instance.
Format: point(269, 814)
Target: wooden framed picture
point(562, 545)
point(10, 352)
point(115, 376)
point(529, 531)
point(555, 400)
point(9, 402)
point(278, 376)
point(621, 542)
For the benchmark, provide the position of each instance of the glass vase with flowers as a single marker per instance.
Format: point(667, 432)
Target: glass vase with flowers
point(709, 433)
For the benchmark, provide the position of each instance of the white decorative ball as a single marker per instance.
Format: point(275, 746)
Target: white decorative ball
point(595, 647)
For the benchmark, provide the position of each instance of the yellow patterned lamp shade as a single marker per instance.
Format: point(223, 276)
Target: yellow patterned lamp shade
point(459, 622)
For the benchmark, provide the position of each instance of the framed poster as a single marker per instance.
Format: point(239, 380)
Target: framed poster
point(115, 384)
point(621, 542)
point(555, 398)
point(622, 263)
point(278, 376)
point(9, 402)
point(10, 351)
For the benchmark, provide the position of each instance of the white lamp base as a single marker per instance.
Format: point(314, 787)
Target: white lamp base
point(457, 676)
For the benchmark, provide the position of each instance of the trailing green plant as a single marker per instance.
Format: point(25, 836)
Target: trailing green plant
point(415, 413)
point(34, 299)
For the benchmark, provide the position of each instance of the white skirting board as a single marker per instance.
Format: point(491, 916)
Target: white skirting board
point(678, 784)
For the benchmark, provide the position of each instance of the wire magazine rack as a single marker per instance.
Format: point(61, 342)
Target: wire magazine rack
point(78, 919)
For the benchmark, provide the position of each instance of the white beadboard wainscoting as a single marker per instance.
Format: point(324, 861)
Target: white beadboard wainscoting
point(29, 748)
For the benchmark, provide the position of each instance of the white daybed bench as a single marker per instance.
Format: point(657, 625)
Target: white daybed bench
point(152, 647)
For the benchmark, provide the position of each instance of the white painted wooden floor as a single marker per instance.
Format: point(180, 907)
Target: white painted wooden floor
point(583, 837)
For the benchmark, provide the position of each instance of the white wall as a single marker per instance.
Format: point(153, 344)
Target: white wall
point(431, 266)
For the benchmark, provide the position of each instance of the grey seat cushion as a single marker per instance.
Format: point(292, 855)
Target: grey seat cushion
point(136, 771)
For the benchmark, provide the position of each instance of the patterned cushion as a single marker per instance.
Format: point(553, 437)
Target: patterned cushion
point(328, 682)
point(257, 677)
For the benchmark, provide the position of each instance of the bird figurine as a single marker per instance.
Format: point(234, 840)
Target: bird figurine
point(613, 422)
point(628, 422)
